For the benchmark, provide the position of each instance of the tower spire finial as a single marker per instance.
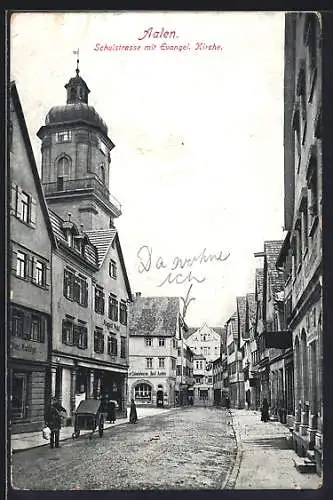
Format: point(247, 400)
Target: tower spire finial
point(77, 53)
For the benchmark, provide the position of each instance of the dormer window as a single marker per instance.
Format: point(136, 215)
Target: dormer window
point(64, 136)
point(78, 244)
point(69, 237)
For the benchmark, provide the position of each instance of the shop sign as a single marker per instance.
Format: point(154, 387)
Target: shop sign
point(27, 350)
point(150, 373)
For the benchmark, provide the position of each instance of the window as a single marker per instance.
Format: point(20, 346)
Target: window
point(75, 288)
point(148, 341)
point(297, 140)
point(123, 347)
point(142, 391)
point(179, 370)
point(113, 308)
point(123, 313)
point(64, 135)
point(81, 336)
point(62, 172)
point(19, 395)
point(67, 332)
point(25, 207)
point(39, 273)
point(179, 351)
point(21, 264)
point(149, 362)
point(301, 92)
point(312, 181)
point(102, 173)
point(112, 346)
point(37, 329)
point(161, 362)
point(161, 342)
point(17, 324)
point(99, 341)
point(113, 269)
point(103, 147)
point(173, 364)
point(174, 343)
point(99, 300)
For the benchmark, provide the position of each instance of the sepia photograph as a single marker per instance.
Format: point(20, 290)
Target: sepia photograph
point(164, 251)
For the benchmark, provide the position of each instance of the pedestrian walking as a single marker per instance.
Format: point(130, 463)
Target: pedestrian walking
point(133, 414)
point(227, 403)
point(265, 411)
point(53, 421)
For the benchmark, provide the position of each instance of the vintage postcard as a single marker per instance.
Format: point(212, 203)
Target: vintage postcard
point(165, 250)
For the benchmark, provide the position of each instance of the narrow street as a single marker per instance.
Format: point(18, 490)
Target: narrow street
point(192, 448)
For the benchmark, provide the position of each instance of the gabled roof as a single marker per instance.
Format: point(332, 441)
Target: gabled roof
point(276, 277)
point(25, 134)
point(259, 286)
point(122, 262)
point(241, 315)
point(217, 329)
point(154, 316)
point(251, 308)
point(102, 239)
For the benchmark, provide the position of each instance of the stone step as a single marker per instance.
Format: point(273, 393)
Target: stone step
point(305, 465)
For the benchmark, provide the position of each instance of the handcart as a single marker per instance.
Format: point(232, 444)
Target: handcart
point(89, 416)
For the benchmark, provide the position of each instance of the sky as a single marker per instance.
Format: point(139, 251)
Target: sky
point(198, 134)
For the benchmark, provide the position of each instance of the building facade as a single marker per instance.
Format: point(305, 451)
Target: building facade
point(155, 327)
point(302, 254)
point(235, 363)
point(90, 285)
point(184, 392)
point(30, 281)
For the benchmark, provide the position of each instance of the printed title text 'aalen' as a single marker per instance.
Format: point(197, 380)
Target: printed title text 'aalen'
point(150, 33)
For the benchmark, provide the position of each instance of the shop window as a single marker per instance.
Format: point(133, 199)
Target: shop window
point(99, 341)
point(19, 395)
point(161, 362)
point(113, 269)
point(142, 391)
point(123, 313)
point(99, 300)
point(112, 346)
point(149, 362)
point(161, 342)
point(123, 347)
point(113, 307)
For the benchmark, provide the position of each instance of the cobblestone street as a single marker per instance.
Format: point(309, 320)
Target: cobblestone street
point(193, 448)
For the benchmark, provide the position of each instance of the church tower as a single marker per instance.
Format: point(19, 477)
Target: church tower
point(76, 160)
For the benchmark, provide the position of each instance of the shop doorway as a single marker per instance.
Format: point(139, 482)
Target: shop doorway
point(159, 398)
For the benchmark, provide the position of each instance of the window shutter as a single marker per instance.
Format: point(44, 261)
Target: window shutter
point(28, 267)
point(33, 269)
point(33, 212)
point(85, 293)
point(64, 331)
point(43, 328)
point(14, 261)
point(13, 203)
point(65, 283)
point(76, 335)
point(18, 203)
point(47, 276)
point(27, 327)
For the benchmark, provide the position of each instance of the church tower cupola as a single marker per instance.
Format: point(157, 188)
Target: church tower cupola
point(76, 159)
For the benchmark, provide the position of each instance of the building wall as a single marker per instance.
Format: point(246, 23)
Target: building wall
point(139, 373)
point(28, 300)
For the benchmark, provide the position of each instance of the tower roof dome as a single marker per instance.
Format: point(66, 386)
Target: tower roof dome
point(76, 112)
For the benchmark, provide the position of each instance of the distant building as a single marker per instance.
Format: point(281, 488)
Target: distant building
point(155, 327)
point(30, 281)
point(184, 394)
point(205, 342)
point(235, 363)
point(301, 256)
point(249, 349)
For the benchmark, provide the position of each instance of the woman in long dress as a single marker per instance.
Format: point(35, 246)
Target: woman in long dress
point(133, 415)
point(265, 411)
